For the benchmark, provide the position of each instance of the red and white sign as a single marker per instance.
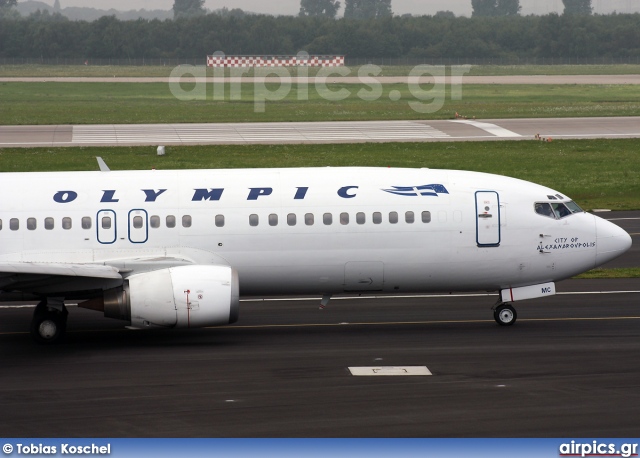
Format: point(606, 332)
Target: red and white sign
point(274, 61)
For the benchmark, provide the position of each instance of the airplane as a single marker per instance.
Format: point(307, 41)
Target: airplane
point(178, 248)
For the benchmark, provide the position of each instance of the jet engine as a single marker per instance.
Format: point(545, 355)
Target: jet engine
point(178, 297)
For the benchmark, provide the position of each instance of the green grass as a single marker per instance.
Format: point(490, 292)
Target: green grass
point(387, 70)
point(633, 272)
point(52, 71)
point(525, 70)
point(97, 103)
point(595, 173)
point(508, 70)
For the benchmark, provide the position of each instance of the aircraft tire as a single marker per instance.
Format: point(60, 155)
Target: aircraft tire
point(505, 315)
point(48, 326)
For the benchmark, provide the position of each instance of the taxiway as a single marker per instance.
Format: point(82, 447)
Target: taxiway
point(318, 132)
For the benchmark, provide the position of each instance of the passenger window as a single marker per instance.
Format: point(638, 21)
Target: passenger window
point(309, 219)
point(186, 221)
point(393, 217)
point(273, 219)
point(544, 209)
point(154, 221)
point(219, 220)
point(327, 219)
point(14, 224)
point(86, 222)
point(0, 224)
point(31, 224)
point(171, 221)
point(49, 223)
point(253, 220)
point(137, 222)
point(377, 218)
point(291, 219)
point(344, 218)
point(409, 218)
point(361, 218)
point(426, 217)
point(66, 223)
point(106, 222)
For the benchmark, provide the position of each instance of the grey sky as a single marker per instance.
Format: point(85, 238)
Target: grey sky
point(460, 7)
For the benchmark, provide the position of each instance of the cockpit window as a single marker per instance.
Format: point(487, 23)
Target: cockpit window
point(557, 210)
point(560, 210)
point(574, 207)
point(545, 209)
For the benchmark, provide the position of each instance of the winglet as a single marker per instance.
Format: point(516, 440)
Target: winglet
point(103, 166)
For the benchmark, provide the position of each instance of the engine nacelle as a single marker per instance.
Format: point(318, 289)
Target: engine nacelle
point(178, 297)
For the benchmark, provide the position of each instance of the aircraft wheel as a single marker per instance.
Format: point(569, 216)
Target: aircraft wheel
point(505, 315)
point(48, 326)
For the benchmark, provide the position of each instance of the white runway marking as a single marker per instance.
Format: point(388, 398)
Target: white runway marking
point(255, 132)
point(491, 128)
point(389, 371)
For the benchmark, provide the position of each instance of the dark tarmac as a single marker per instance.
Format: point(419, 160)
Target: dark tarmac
point(567, 368)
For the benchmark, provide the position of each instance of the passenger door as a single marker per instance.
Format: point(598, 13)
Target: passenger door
point(488, 219)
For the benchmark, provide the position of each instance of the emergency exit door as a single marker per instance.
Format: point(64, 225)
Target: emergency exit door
point(138, 226)
point(487, 219)
point(106, 227)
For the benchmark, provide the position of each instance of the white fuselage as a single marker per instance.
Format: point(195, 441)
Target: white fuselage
point(313, 231)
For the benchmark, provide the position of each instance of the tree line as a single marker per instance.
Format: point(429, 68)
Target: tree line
point(232, 32)
point(366, 9)
point(370, 9)
point(354, 9)
point(512, 7)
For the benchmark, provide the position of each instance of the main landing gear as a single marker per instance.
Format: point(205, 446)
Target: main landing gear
point(49, 322)
point(505, 314)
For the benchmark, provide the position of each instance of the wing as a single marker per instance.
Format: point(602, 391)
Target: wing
point(56, 278)
point(68, 270)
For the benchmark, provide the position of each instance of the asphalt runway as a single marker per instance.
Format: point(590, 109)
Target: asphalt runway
point(318, 132)
point(567, 368)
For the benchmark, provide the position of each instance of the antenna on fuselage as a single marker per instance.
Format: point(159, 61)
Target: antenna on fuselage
point(103, 165)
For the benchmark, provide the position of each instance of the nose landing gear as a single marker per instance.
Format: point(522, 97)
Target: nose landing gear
point(505, 314)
